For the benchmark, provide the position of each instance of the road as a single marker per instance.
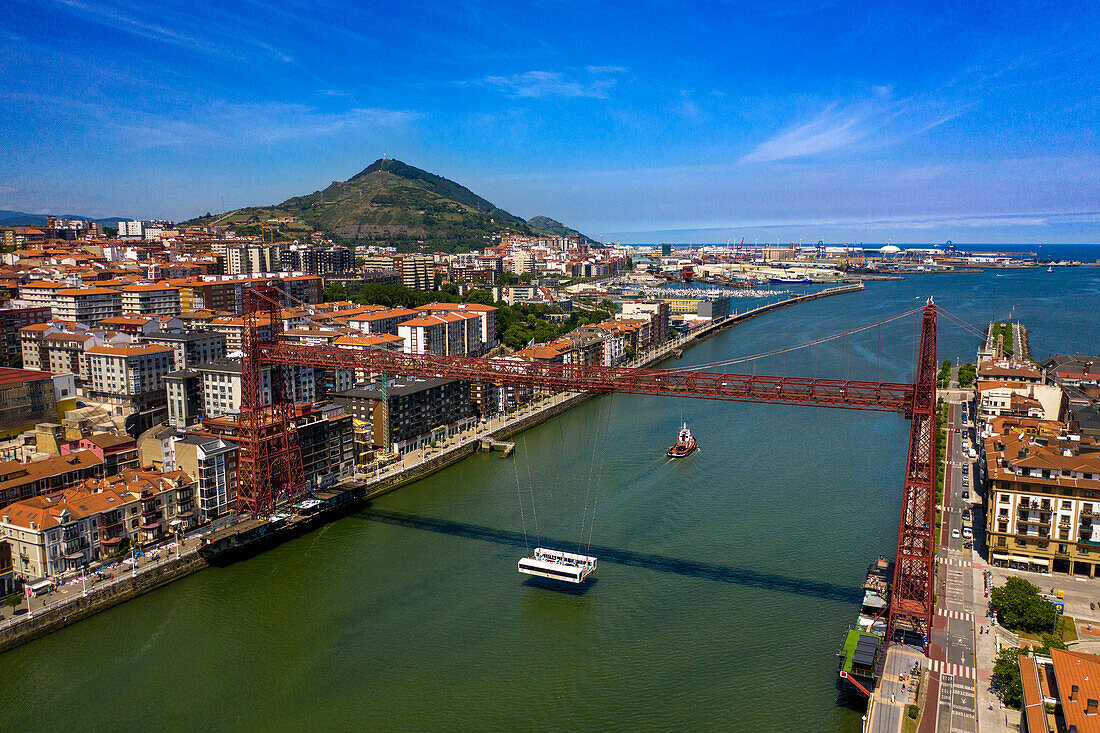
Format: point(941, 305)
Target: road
point(953, 638)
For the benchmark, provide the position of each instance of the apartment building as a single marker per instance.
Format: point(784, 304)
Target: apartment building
point(134, 325)
point(68, 352)
point(381, 321)
point(13, 319)
point(87, 305)
point(213, 295)
point(27, 397)
point(486, 319)
point(300, 289)
point(325, 434)
point(19, 480)
point(1043, 498)
point(317, 260)
point(189, 349)
point(326, 438)
point(420, 411)
point(658, 313)
point(131, 376)
point(41, 293)
point(417, 270)
point(212, 462)
point(232, 329)
point(424, 335)
point(159, 299)
point(252, 259)
point(64, 531)
point(221, 385)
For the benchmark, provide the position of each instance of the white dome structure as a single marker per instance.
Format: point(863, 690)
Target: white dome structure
point(890, 249)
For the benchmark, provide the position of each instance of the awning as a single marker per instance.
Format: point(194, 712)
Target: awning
point(151, 526)
point(1000, 557)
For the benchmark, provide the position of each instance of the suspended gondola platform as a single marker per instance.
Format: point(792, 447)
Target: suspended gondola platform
point(558, 565)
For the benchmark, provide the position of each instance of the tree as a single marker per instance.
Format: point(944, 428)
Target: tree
point(1020, 607)
point(1006, 670)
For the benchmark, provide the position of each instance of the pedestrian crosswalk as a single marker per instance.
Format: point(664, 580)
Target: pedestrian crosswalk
point(956, 670)
point(964, 615)
point(957, 562)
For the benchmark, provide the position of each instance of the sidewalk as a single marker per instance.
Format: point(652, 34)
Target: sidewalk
point(113, 571)
point(888, 709)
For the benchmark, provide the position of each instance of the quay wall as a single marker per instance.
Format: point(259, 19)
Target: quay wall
point(118, 591)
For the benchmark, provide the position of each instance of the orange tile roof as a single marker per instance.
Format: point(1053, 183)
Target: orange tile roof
point(87, 291)
point(1083, 670)
point(129, 350)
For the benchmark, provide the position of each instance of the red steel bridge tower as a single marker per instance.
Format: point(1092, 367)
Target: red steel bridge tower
point(269, 457)
point(271, 464)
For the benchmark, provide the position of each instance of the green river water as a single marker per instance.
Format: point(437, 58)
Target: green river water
point(724, 585)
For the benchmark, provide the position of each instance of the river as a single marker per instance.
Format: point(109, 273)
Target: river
point(724, 585)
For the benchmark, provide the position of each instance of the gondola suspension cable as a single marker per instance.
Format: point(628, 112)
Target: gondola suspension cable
point(599, 476)
point(815, 342)
point(519, 495)
point(531, 483)
point(591, 470)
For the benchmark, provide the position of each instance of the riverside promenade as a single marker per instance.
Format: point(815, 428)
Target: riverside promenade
point(117, 580)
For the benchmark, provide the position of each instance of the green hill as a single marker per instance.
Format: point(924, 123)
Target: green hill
point(389, 203)
point(551, 228)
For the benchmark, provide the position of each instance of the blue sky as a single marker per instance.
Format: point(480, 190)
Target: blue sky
point(642, 121)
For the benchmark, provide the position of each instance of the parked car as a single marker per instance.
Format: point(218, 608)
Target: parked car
point(968, 533)
point(955, 533)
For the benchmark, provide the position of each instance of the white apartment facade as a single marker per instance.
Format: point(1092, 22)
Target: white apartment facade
point(151, 299)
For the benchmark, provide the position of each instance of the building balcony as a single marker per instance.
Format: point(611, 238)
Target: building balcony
point(1036, 522)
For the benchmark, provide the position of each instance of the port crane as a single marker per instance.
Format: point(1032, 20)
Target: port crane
point(270, 462)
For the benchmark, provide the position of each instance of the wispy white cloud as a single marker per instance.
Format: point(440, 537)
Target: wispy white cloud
point(543, 84)
point(7, 189)
point(157, 26)
point(262, 124)
point(873, 121)
point(606, 69)
point(831, 130)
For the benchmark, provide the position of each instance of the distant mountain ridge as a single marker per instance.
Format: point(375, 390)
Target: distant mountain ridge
point(23, 219)
point(388, 202)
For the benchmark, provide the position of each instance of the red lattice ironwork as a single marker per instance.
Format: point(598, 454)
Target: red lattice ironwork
point(271, 467)
point(911, 595)
point(887, 396)
point(270, 458)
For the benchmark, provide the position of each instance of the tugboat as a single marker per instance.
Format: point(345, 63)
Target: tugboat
point(685, 443)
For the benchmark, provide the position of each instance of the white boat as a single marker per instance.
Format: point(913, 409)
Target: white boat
point(558, 565)
point(1050, 268)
